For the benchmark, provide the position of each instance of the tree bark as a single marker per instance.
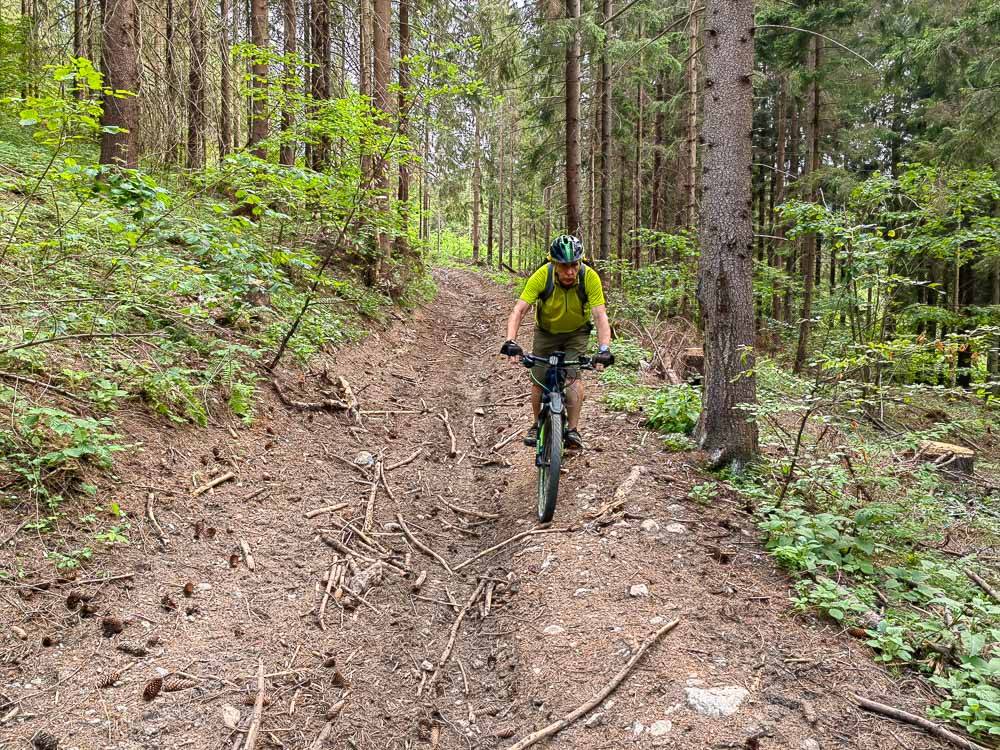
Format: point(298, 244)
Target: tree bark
point(288, 150)
point(225, 81)
point(791, 250)
point(477, 178)
point(260, 37)
point(383, 102)
point(605, 251)
point(489, 234)
point(172, 152)
point(694, 34)
point(319, 39)
point(121, 72)
point(994, 362)
point(78, 49)
point(196, 87)
point(809, 253)
point(777, 228)
point(405, 86)
point(365, 73)
point(501, 189)
point(656, 208)
point(573, 208)
point(637, 174)
point(726, 431)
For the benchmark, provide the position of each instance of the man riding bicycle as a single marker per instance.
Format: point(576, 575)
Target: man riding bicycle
point(567, 293)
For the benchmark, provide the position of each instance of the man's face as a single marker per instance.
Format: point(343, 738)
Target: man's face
point(567, 273)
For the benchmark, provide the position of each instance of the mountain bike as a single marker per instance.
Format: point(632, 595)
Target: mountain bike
point(551, 426)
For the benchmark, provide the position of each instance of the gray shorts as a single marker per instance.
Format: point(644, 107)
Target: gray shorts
point(574, 344)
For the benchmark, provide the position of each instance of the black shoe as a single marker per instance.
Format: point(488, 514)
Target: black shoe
point(531, 436)
point(573, 440)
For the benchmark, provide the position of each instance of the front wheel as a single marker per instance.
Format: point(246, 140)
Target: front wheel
point(549, 458)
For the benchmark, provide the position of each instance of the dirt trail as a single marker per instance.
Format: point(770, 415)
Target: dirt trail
point(562, 618)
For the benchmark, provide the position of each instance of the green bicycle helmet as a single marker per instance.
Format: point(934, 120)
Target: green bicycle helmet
point(566, 249)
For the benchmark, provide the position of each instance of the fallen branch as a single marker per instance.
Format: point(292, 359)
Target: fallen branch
point(446, 654)
point(621, 494)
point(45, 386)
point(258, 710)
point(468, 511)
point(357, 467)
point(565, 721)
point(214, 483)
point(327, 509)
point(981, 583)
point(453, 451)
point(508, 440)
point(323, 737)
point(918, 721)
point(370, 507)
point(350, 399)
point(327, 404)
point(420, 545)
point(349, 526)
point(380, 470)
point(247, 556)
point(326, 595)
point(405, 461)
point(504, 543)
point(156, 524)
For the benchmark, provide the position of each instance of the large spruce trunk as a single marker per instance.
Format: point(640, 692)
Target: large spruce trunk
point(726, 430)
point(197, 119)
point(573, 206)
point(260, 36)
point(288, 149)
point(121, 72)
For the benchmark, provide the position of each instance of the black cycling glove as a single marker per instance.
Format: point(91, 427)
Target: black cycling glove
point(604, 358)
point(511, 349)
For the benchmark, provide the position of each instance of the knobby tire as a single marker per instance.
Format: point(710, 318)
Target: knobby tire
point(550, 441)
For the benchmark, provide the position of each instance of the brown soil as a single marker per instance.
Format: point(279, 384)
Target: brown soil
point(506, 676)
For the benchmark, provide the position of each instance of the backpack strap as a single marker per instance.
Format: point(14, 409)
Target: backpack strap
point(581, 288)
point(550, 283)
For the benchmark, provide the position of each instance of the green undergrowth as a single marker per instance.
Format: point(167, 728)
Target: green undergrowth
point(880, 542)
point(164, 292)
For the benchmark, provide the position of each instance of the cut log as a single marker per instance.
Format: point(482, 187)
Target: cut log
point(694, 361)
point(956, 459)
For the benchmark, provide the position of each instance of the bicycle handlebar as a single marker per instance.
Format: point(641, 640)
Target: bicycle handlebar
point(530, 360)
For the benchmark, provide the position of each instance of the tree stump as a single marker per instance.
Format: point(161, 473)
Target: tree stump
point(955, 459)
point(694, 362)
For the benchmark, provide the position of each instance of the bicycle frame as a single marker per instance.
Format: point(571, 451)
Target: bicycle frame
point(554, 385)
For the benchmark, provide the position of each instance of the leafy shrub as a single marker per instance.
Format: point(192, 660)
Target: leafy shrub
point(673, 409)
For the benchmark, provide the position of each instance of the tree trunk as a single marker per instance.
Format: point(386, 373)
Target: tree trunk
point(501, 189)
point(692, 118)
point(489, 234)
point(605, 251)
point(196, 87)
point(726, 431)
point(260, 37)
point(405, 86)
point(121, 72)
point(365, 73)
point(319, 39)
point(637, 175)
point(995, 353)
point(477, 178)
point(809, 253)
point(225, 82)
point(620, 236)
point(573, 209)
point(172, 147)
point(78, 49)
point(383, 102)
point(777, 228)
point(656, 209)
point(288, 148)
point(791, 248)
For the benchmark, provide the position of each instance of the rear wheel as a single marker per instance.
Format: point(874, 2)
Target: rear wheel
point(549, 458)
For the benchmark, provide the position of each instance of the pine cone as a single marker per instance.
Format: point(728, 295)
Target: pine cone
point(133, 649)
point(189, 589)
point(152, 689)
point(234, 560)
point(173, 684)
point(251, 699)
point(112, 626)
point(45, 741)
point(108, 680)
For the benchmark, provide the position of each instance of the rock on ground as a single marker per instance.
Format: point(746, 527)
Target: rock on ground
point(716, 702)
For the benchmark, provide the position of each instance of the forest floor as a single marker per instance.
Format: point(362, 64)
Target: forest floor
point(553, 615)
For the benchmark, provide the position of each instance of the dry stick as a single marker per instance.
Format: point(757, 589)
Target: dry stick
point(981, 583)
point(513, 539)
point(321, 739)
point(156, 524)
point(327, 509)
point(258, 709)
point(247, 556)
point(326, 596)
point(350, 398)
point(370, 508)
point(587, 707)
point(451, 433)
point(446, 654)
point(508, 440)
point(468, 511)
point(47, 386)
point(405, 461)
point(358, 468)
point(385, 482)
point(918, 721)
point(214, 483)
point(420, 545)
point(347, 526)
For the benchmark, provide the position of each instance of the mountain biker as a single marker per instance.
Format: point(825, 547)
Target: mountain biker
point(567, 293)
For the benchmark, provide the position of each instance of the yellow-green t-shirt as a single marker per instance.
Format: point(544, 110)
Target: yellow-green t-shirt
point(562, 311)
